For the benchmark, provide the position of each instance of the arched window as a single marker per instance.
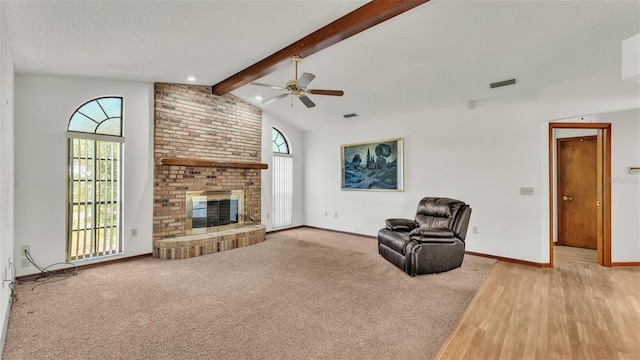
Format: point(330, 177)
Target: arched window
point(98, 116)
point(95, 143)
point(280, 144)
point(282, 180)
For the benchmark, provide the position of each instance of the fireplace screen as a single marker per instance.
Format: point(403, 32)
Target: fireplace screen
point(213, 210)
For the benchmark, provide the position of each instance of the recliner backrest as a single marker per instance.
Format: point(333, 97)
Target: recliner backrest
point(444, 213)
point(437, 212)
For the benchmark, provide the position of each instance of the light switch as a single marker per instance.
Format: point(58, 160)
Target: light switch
point(526, 191)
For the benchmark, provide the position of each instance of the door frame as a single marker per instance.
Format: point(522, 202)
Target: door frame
point(603, 169)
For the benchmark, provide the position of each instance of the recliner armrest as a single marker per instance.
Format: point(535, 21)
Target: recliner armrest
point(400, 224)
point(430, 232)
point(425, 240)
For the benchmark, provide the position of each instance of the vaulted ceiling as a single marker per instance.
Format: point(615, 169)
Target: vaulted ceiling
point(440, 53)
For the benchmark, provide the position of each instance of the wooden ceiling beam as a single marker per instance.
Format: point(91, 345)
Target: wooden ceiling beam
point(363, 18)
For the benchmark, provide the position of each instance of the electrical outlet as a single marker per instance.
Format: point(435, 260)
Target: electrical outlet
point(134, 232)
point(335, 215)
point(326, 213)
point(267, 215)
point(23, 248)
point(24, 263)
point(474, 229)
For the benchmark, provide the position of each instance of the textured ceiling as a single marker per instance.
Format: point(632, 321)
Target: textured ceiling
point(443, 52)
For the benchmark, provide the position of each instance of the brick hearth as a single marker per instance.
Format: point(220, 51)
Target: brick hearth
point(185, 247)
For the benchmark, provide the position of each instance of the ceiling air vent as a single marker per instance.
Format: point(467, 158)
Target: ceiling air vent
point(503, 83)
point(346, 116)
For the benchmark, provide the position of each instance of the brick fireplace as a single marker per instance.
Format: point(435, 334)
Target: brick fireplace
point(200, 139)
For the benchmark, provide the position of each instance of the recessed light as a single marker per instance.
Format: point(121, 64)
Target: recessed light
point(258, 97)
point(191, 78)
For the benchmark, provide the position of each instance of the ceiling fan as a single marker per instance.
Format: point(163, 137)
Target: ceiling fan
point(298, 87)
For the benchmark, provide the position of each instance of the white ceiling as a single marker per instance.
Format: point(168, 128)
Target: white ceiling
point(440, 53)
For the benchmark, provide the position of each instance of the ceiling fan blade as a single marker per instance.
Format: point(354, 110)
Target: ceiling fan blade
point(274, 99)
point(269, 86)
point(326, 92)
point(306, 101)
point(305, 79)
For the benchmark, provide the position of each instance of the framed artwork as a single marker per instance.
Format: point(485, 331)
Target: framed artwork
point(375, 165)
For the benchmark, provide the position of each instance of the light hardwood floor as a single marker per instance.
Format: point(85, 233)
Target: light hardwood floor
point(566, 256)
point(577, 310)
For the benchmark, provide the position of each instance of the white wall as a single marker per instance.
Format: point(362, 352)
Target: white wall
point(625, 186)
point(631, 59)
point(295, 138)
point(483, 157)
point(7, 185)
point(43, 108)
point(599, 93)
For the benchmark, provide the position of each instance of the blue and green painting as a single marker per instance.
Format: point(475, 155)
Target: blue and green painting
point(371, 166)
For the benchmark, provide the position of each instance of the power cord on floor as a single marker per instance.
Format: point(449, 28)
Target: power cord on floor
point(12, 284)
point(51, 275)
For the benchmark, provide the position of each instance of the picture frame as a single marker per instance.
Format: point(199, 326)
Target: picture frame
point(373, 165)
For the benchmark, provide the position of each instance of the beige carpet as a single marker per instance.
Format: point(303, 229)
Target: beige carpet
point(302, 294)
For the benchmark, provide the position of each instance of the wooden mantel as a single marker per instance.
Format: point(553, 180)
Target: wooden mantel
point(217, 164)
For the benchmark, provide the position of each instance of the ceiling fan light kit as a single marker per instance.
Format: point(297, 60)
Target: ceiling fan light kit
point(298, 87)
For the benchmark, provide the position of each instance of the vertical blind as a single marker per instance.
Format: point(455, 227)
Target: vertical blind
point(282, 190)
point(94, 203)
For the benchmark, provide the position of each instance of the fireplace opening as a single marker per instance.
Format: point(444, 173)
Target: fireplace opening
point(209, 211)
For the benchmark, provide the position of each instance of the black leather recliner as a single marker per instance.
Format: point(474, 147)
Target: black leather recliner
point(433, 242)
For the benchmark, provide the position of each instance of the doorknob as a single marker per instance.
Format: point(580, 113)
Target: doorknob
point(565, 198)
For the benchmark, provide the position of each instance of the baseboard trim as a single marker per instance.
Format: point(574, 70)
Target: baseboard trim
point(626, 263)
point(506, 259)
point(284, 229)
point(35, 276)
point(499, 258)
point(340, 232)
